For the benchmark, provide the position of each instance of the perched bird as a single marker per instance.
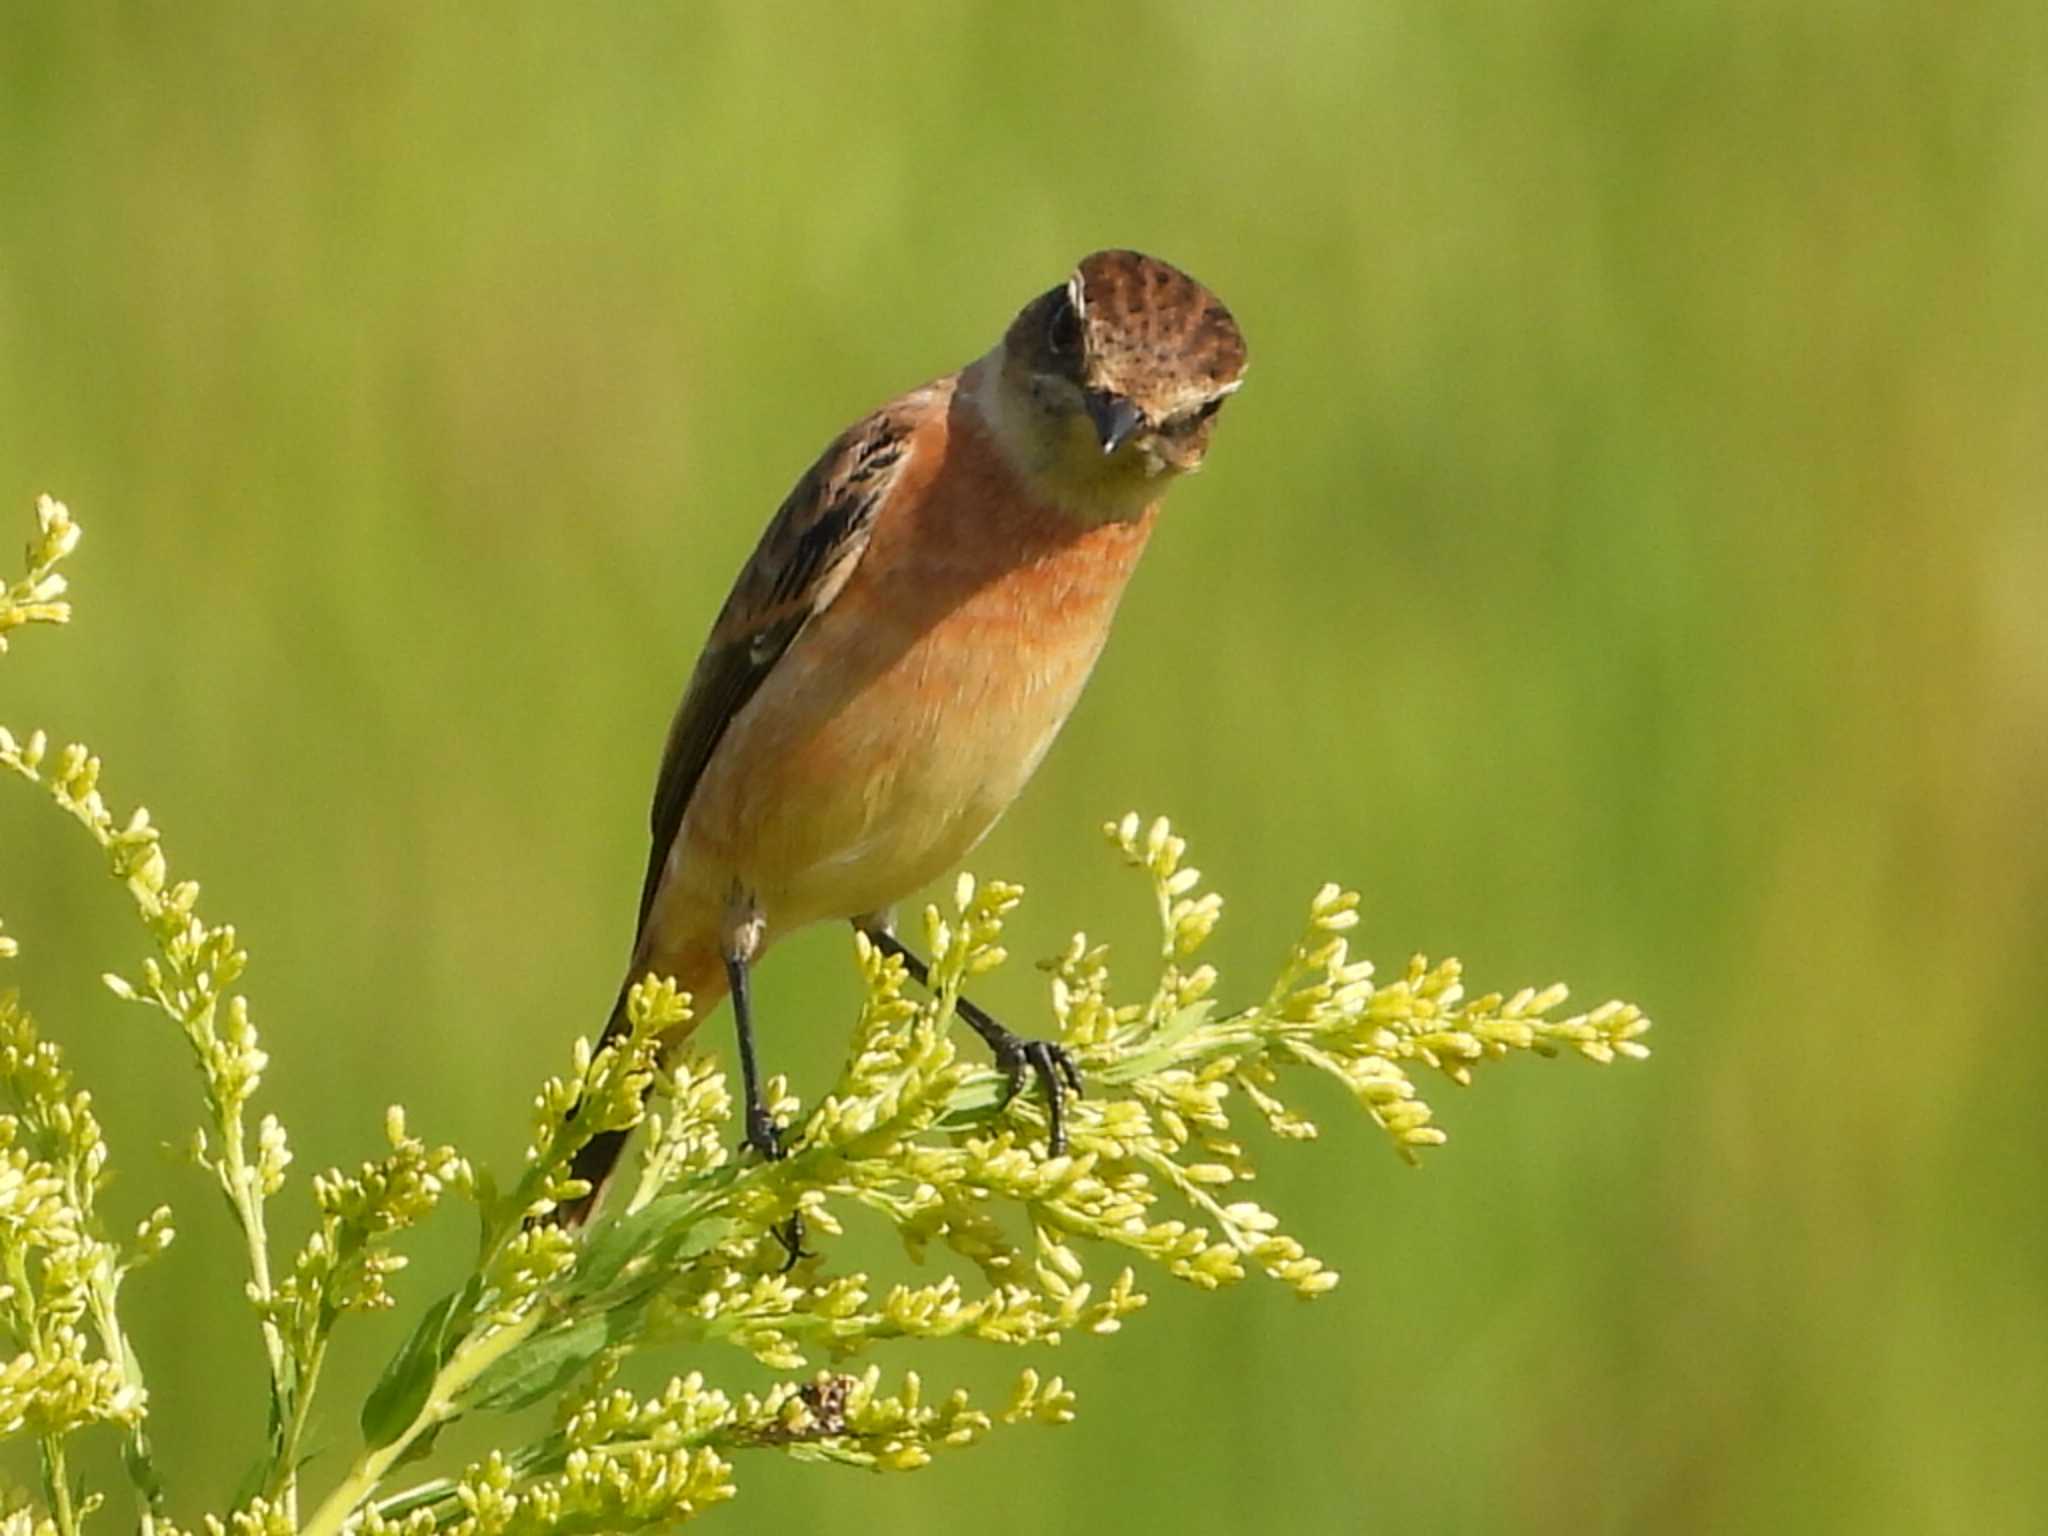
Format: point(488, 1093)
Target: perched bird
point(909, 636)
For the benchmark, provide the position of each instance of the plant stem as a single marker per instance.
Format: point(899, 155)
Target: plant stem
point(137, 1457)
point(468, 1363)
point(284, 1476)
point(425, 1495)
point(57, 1481)
point(239, 1179)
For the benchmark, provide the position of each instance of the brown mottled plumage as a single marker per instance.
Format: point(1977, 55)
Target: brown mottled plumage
point(913, 629)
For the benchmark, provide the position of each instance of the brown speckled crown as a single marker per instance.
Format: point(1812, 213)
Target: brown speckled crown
point(1154, 330)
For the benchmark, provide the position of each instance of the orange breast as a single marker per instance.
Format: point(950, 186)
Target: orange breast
point(909, 714)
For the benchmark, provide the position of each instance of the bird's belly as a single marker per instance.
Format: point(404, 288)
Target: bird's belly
point(882, 749)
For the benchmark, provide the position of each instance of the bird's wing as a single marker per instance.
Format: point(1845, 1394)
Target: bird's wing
point(809, 549)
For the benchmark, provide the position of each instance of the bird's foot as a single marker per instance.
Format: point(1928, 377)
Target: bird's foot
point(1047, 1060)
point(1015, 1054)
point(763, 1135)
point(791, 1235)
point(765, 1138)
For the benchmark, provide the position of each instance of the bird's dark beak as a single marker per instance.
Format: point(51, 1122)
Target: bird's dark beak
point(1115, 419)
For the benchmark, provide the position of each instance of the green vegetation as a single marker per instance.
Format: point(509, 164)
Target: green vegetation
point(1623, 562)
point(695, 1262)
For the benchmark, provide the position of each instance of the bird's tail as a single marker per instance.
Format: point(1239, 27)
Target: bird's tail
point(598, 1158)
point(703, 977)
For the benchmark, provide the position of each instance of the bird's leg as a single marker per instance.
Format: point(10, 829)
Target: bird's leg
point(761, 1133)
point(1015, 1054)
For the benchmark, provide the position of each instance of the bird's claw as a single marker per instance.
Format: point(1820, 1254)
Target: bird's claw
point(762, 1135)
point(791, 1235)
point(1054, 1067)
point(764, 1138)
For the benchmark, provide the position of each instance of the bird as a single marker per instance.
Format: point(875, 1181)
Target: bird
point(907, 638)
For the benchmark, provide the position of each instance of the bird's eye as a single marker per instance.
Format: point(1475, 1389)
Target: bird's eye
point(1063, 328)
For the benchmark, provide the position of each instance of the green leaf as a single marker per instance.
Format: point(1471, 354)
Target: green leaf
point(141, 1468)
point(543, 1365)
point(1159, 1047)
point(612, 1246)
point(681, 1243)
point(252, 1481)
point(658, 1239)
point(401, 1392)
point(487, 1198)
point(660, 1233)
point(1184, 1022)
point(421, 1448)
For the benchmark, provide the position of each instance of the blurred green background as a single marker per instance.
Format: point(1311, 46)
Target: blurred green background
point(1625, 565)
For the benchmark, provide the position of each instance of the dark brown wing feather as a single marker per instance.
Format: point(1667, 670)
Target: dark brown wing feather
point(811, 545)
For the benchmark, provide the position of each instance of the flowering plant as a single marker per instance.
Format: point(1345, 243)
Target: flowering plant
point(1029, 1250)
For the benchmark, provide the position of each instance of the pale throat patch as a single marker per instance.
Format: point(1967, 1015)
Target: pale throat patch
point(1057, 454)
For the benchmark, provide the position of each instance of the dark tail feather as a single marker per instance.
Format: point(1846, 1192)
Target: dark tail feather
point(598, 1158)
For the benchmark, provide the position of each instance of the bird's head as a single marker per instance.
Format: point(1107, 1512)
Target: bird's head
point(1124, 367)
